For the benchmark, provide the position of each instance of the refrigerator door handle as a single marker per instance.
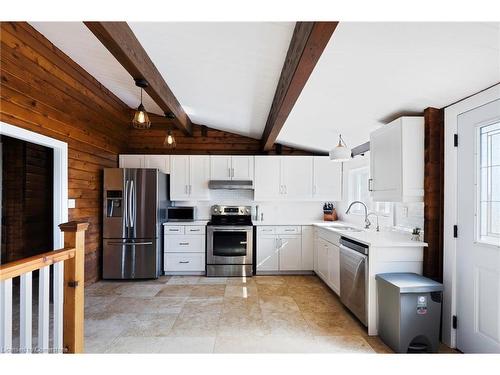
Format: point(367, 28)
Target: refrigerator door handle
point(126, 208)
point(130, 204)
point(129, 243)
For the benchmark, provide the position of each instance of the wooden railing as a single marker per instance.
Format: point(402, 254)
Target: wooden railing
point(68, 296)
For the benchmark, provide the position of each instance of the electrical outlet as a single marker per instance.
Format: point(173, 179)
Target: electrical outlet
point(71, 203)
point(404, 211)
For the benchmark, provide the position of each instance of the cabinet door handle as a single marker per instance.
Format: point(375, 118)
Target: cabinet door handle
point(183, 243)
point(184, 261)
point(286, 192)
point(228, 172)
point(314, 189)
point(173, 230)
point(194, 230)
point(289, 230)
point(370, 184)
point(232, 172)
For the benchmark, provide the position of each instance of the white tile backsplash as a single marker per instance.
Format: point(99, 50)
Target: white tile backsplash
point(272, 211)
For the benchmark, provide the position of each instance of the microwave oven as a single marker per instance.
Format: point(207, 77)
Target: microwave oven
point(181, 213)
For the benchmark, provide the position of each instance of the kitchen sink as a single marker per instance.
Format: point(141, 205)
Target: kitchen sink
point(342, 227)
point(350, 229)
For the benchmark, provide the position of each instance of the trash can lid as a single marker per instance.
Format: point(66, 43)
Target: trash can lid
point(410, 282)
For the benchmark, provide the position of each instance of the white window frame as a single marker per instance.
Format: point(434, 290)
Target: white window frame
point(451, 114)
point(383, 209)
point(60, 173)
point(488, 239)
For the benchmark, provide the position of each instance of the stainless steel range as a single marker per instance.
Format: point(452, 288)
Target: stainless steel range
point(230, 241)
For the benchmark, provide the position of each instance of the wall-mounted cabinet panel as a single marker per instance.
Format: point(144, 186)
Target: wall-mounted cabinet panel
point(225, 167)
point(397, 161)
point(131, 161)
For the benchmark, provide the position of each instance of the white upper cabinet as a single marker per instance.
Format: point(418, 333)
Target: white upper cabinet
point(161, 162)
point(220, 167)
point(179, 177)
point(131, 161)
point(189, 177)
point(296, 177)
point(267, 178)
point(327, 179)
point(397, 161)
point(231, 167)
point(199, 174)
point(283, 178)
point(242, 167)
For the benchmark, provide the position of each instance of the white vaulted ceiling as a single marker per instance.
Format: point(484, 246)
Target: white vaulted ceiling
point(225, 74)
point(370, 73)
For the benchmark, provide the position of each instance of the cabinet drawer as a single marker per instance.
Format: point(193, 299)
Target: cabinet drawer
point(184, 244)
point(194, 229)
point(288, 230)
point(184, 262)
point(173, 229)
point(266, 230)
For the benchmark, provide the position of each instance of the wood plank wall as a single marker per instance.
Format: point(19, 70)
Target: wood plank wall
point(204, 140)
point(434, 193)
point(44, 91)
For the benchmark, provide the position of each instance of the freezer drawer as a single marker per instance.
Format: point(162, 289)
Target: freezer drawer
point(130, 259)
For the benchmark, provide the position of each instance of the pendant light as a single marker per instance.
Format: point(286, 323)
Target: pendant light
point(169, 139)
point(341, 152)
point(141, 118)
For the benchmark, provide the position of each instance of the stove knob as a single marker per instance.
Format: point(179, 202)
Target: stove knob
point(216, 209)
point(247, 211)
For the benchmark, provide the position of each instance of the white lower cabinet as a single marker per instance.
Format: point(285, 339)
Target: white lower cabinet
point(267, 253)
point(180, 262)
point(283, 248)
point(184, 249)
point(327, 258)
point(334, 267)
point(290, 252)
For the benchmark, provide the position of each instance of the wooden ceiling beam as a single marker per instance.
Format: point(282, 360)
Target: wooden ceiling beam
point(308, 42)
point(120, 40)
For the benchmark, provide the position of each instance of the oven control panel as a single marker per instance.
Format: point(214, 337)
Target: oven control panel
point(231, 210)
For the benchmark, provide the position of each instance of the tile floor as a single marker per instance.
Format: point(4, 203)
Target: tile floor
point(186, 314)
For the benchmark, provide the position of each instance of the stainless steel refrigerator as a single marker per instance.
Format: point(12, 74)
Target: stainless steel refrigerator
point(135, 202)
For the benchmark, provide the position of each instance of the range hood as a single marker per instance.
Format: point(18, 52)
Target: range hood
point(231, 184)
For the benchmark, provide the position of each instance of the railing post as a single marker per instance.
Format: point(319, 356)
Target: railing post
point(74, 237)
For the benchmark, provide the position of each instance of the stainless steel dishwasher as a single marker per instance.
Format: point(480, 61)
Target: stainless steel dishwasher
point(354, 277)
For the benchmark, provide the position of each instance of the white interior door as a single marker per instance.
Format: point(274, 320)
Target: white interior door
point(478, 242)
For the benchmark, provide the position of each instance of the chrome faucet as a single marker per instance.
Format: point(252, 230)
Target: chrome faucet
point(373, 213)
point(367, 222)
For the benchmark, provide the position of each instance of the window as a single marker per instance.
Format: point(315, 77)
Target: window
point(358, 191)
point(489, 184)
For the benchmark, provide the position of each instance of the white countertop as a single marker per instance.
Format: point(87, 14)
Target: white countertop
point(372, 238)
point(384, 238)
point(196, 222)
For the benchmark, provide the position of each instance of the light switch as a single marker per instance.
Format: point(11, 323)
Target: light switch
point(71, 203)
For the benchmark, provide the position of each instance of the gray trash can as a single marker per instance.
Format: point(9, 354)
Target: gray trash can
point(409, 312)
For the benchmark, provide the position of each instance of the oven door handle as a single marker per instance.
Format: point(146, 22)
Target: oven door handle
point(229, 229)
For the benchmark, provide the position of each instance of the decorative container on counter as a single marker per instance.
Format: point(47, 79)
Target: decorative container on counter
point(329, 212)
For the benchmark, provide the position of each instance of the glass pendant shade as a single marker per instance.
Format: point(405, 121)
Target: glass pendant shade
point(141, 118)
point(341, 152)
point(169, 140)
